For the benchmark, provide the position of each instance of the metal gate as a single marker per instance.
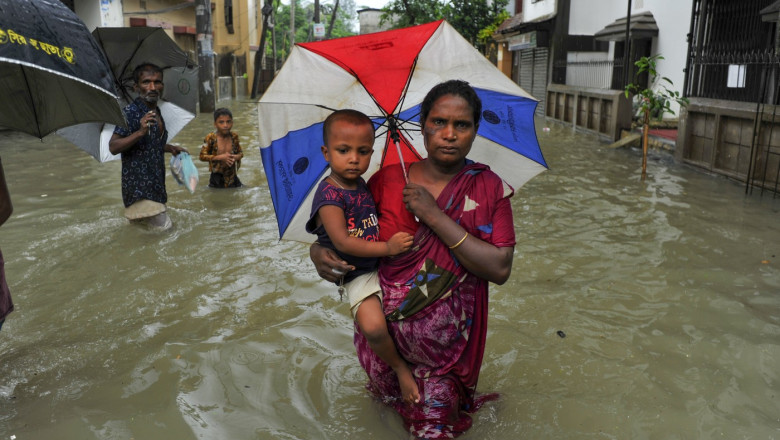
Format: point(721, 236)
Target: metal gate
point(732, 56)
point(532, 74)
point(764, 161)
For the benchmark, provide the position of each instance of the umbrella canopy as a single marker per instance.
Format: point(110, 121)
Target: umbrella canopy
point(385, 75)
point(93, 137)
point(125, 49)
point(52, 72)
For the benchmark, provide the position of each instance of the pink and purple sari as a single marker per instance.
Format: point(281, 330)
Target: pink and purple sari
point(437, 311)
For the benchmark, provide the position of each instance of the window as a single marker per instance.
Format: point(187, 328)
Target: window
point(229, 16)
point(736, 77)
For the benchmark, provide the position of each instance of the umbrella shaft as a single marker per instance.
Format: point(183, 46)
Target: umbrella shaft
point(401, 160)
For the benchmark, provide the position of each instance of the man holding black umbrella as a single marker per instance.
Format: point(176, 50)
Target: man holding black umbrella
point(143, 145)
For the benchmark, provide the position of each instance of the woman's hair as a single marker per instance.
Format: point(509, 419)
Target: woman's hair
point(222, 111)
point(454, 87)
point(145, 67)
point(352, 116)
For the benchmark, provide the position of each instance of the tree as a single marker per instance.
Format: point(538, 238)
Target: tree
point(281, 29)
point(332, 20)
point(340, 16)
point(655, 99)
point(485, 36)
point(304, 18)
point(468, 17)
point(405, 13)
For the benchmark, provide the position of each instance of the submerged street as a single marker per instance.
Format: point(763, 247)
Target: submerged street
point(641, 310)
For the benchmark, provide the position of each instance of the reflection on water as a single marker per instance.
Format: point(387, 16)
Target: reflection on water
point(666, 291)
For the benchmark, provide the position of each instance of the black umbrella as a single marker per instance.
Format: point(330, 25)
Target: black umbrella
point(52, 72)
point(126, 48)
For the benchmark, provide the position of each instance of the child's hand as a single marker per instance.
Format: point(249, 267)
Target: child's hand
point(228, 158)
point(399, 242)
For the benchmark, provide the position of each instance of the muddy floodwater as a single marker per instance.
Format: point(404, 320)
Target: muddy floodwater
point(635, 310)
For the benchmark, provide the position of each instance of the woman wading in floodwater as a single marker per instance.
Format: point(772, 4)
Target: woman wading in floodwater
point(435, 295)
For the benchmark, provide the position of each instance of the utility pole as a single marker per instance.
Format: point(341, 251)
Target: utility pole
point(273, 38)
point(205, 56)
point(267, 9)
point(318, 27)
point(627, 48)
point(332, 19)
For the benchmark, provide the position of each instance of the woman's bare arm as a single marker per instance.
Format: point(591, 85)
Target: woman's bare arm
point(481, 258)
point(329, 265)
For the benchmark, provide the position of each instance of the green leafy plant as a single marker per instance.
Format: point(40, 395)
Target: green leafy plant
point(485, 35)
point(654, 100)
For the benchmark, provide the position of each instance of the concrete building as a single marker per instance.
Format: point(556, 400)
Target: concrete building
point(732, 79)
point(571, 55)
point(524, 46)
point(369, 19)
point(657, 27)
point(236, 27)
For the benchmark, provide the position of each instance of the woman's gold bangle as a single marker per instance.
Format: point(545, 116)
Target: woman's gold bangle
point(460, 242)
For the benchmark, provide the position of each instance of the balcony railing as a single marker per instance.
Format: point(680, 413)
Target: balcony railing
point(593, 74)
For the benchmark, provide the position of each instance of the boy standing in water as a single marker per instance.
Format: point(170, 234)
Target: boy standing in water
point(222, 151)
point(344, 218)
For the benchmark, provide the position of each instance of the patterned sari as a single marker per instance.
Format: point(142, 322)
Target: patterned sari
point(437, 311)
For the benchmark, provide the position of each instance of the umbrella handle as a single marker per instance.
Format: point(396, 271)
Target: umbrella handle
point(401, 160)
point(396, 137)
point(403, 168)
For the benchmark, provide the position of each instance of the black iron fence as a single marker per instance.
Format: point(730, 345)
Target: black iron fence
point(731, 52)
point(735, 76)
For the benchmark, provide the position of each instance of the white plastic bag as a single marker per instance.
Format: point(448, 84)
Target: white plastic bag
point(184, 171)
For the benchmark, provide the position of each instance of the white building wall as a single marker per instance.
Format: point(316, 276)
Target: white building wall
point(672, 16)
point(369, 19)
point(539, 9)
point(255, 17)
point(586, 17)
point(99, 13)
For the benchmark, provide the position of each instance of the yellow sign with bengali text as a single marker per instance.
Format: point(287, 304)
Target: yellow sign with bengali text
point(8, 36)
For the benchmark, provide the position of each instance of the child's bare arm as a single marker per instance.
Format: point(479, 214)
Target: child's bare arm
point(239, 151)
point(332, 218)
point(400, 242)
point(204, 153)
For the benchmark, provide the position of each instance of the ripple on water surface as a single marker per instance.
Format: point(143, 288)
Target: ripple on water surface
point(666, 291)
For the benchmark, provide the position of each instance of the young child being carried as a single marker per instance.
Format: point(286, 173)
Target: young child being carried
point(343, 216)
point(222, 151)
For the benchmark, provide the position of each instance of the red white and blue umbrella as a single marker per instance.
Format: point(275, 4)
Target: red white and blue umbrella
point(385, 75)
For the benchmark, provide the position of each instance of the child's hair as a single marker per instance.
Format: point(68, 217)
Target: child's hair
point(353, 116)
point(222, 111)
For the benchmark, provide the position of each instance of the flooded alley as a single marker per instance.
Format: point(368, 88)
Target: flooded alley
point(635, 310)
